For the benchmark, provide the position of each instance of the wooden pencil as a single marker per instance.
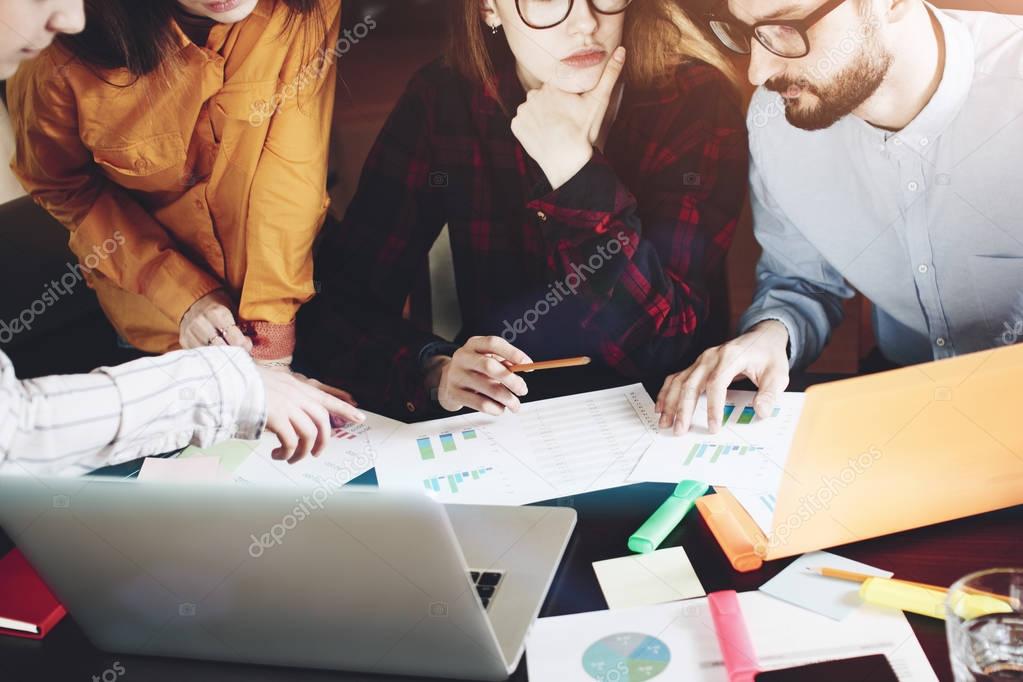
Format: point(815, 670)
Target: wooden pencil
point(551, 364)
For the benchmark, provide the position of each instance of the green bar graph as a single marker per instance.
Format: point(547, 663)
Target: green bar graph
point(729, 409)
point(425, 448)
point(447, 441)
point(717, 451)
point(469, 434)
point(747, 415)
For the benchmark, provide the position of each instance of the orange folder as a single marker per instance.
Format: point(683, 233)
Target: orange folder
point(890, 452)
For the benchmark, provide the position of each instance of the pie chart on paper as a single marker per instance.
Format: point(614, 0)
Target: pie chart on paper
point(626, 657)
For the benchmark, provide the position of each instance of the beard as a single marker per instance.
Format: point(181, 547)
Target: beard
point(839, 96)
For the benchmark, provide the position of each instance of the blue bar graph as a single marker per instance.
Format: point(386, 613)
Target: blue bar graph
point(455, 480)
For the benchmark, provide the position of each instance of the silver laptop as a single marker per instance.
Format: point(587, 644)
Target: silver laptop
point(360, 580)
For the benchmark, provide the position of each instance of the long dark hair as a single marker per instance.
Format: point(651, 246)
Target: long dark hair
point(137, 35)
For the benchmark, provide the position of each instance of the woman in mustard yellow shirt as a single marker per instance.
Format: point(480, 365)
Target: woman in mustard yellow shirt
point(184, 145)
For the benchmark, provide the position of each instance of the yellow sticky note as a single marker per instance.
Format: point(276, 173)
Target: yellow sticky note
point(644, 579)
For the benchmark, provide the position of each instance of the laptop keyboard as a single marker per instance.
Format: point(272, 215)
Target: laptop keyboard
point(486, 583)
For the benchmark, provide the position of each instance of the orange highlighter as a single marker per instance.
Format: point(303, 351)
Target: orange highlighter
point(733, 637)
point(736, 533)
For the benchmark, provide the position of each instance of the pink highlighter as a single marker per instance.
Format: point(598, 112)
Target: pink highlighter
point(733, 638)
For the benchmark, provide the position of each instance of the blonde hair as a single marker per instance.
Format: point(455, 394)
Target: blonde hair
point(659, 35)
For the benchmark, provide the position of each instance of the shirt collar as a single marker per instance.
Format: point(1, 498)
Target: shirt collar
point(952, 91)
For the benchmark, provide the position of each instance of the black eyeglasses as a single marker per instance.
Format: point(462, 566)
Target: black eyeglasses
point(550, 13)
point(785, 38)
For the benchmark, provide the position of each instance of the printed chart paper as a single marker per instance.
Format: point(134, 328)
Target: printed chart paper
point(551, 448)
point(351, 452)
point(676, 641)
point(748, 452)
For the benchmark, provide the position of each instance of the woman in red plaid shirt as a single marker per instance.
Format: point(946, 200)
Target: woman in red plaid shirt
point(589, 158)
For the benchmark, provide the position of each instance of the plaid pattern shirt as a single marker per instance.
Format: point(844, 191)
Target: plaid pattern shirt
point(614, 264)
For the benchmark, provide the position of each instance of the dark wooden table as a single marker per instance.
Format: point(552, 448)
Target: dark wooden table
point(937, 554)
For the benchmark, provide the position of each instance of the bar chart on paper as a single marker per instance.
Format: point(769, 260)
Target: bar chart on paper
point(748, 452)
point(454, 482)
point(550, 448)
point(429, 447)
point(745, 416)
point(713, 452)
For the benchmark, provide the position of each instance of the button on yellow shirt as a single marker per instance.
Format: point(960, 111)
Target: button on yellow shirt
point(173, 190)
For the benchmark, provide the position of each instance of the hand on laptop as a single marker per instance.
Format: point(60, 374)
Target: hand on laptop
point(759, 354)
point(477, 376)
point(298, 413)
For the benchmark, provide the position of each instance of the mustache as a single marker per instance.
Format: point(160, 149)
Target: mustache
point(781, 85)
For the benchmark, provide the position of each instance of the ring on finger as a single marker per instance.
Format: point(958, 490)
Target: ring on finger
point(212, 339)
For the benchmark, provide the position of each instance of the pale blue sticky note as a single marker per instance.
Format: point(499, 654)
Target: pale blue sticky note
point(831, 597)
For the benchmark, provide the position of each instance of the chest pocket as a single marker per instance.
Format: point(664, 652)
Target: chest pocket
point(241, 110)
point(153, 164)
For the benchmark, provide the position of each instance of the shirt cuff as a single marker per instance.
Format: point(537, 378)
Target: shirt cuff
point(270, 341)
point(196, 397)
point(251, 420)
point(435, 348)
point(748, 321)
point(589, 200)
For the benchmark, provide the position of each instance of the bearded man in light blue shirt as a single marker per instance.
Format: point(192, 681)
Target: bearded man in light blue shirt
point(886, 139)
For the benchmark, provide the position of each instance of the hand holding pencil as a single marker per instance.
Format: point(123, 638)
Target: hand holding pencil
point(478, 376)
point(483, 375)
point(551, 364)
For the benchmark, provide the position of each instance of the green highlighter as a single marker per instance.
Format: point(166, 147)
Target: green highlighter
point(652, 533)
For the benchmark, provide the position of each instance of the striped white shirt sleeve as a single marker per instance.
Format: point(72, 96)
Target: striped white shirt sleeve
point(68, 425)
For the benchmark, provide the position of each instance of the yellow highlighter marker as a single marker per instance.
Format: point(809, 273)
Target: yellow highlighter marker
point(921, 598)
point(903, 596)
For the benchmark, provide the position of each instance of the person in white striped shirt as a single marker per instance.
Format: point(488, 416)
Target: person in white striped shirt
point(73, 424)
point(69, 425)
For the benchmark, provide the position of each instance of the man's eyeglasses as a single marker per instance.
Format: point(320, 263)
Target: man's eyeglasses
point(550, 13)
point(785, 38)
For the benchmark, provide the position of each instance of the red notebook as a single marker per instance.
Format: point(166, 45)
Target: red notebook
point(27, 607)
